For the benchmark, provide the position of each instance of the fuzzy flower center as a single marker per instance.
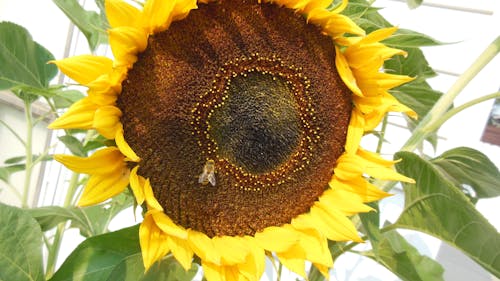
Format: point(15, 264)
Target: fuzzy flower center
point(238, 115)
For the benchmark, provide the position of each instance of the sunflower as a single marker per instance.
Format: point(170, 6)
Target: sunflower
point(237, 126)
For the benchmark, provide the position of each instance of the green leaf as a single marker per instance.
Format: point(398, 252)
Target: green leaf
point(358, 10)
point(420, 97)
point(131, 268)
point(90, 221)
point(4, 174)
point(393, 251)
point(20, 246)
point(7, 171)
point(404, 260)
point(412, 4)
point(434, 206)
point(102, 11)
point(97, 257)
point(65, 98)
point(15, 160)
point(92, 145)
point(467, 166)
point(405, 38)
point(414, 65)
point(169, 269)
point(371, 21)
point(24, 62)
point(14, 165)
point(73, 144)
point(417, 95)
point(18, 159)
point(371, 223)
point(90, 23)
point(97, 218)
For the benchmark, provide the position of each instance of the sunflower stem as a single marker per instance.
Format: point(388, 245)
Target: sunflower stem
point(29, 153)
point(315, 275)
point(382, 134)
point(428, 123)
point(53, 250)
point(276, 268)
point(280, 269)
point(452, 112)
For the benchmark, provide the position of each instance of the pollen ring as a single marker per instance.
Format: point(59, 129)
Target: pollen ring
point(279, 149)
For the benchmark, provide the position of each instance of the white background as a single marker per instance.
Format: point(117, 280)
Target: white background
point(469, 25)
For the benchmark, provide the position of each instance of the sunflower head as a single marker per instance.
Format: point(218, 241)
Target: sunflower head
point(237, 124)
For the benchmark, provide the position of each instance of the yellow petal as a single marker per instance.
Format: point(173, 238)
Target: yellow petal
point(119, 13)
point(378, 35)
point(355, 131)
point(359, 187)
point(370, 55)
point(255, 265)
point(337, 25)
point(79, 116)
point(380, 168)
point(126, 42)
point(84, 68)
point(316, 247)
point(334, 225)
point(213, 272)
point(232, 249)
point(293, 261)
point(276, 239)
point(325, 270)
point(341, 7)
point(347, 41)
point(312, 246)
point(158, 14)
point(345, 202)
point(317, 4)
point(182, 9)
point(137, 185)
point(203, 246)
point(153, 242)
point(105, 161)
point(102, 187)
point(346, 73)
point(348, 167)
point(380, 82)
point(150, 198)
point(105, 89)
point(181, 251)
point(124, 147)
point(342, 227)
point(107, 120)
point(168, 226)
point(395, 106)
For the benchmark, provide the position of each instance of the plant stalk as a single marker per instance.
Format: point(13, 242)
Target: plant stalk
point(382, 134)
point(427, 125)
point(53, 250)
point(28, 146)
point(452, 112)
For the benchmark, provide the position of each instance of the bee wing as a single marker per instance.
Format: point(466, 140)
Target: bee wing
point(211, 178)
point(203, 178)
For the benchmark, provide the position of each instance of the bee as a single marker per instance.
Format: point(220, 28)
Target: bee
point(208, 174)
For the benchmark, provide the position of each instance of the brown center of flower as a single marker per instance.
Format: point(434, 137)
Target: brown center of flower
point(238, 115)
